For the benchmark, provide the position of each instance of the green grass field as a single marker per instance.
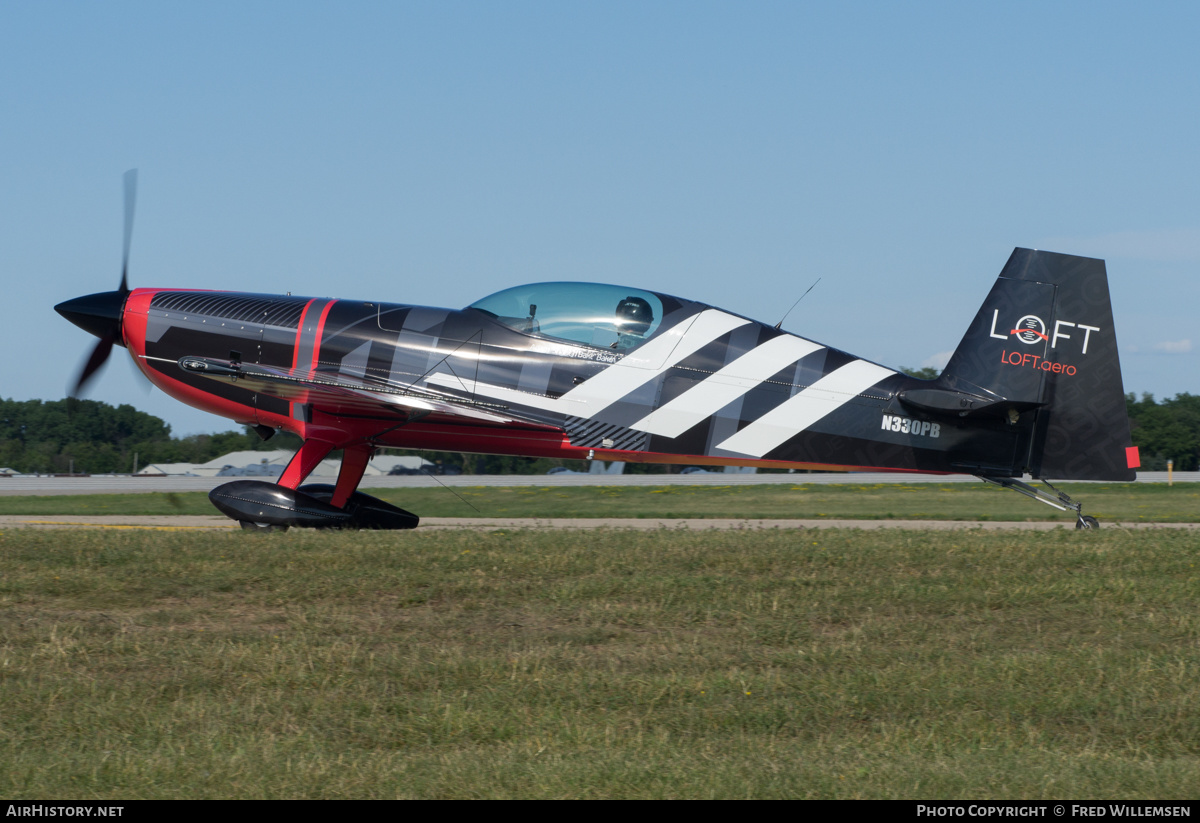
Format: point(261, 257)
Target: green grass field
point(808, 663)
point(1133, 502)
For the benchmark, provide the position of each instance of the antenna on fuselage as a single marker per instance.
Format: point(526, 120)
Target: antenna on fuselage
point(797, 303)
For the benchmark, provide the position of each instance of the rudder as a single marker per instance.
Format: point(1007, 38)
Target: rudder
point(1044, 340)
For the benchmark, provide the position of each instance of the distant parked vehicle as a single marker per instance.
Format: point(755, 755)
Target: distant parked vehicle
point(428, 468)
point(594, 467)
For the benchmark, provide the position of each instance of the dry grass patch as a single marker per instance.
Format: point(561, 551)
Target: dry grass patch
point(599, 664)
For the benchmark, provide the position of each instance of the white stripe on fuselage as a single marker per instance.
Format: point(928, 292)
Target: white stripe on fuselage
point(659, 355)
point(603, 389)
point(799, 412)
point(720, 389)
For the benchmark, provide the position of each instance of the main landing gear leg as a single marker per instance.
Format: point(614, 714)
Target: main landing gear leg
point(311, 453)
point(1059, 500)
point(354, 464)
point(260, 506)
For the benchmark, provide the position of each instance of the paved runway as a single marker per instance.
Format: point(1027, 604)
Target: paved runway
point(124, 484)
point(218, 523)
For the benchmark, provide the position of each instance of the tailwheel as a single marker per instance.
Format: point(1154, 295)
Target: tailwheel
point(251, 526)
point(1059, 500)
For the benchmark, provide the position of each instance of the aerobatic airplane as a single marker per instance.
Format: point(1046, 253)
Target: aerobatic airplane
point(605, 372)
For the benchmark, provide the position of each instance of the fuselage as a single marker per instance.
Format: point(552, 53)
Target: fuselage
point(704, 387)
point(583, 370)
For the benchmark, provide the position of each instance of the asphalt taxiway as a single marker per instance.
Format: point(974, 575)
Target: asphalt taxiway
point(46, 485)
point(219, 523)
point(124, 484)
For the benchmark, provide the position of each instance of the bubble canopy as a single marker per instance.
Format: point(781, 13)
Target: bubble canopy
point(594, 314)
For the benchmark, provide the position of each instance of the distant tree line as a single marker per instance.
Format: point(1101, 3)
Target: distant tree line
point(87, 436)
point(90, 437)
point(1167, 430)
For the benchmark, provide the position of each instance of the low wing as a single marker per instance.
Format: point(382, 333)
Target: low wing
point(348, 394)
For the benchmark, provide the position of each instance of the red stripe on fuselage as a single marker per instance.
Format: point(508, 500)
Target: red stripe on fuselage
point(133, 323)
point(320, 330)
point(529, 442)
point(307, 337)
point(296, 351)
point(300, 332)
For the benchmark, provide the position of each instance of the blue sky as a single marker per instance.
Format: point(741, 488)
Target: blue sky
point(432, 153)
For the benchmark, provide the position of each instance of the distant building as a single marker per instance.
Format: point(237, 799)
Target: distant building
point(273, 463)
point(167, 470)
point(397, 464)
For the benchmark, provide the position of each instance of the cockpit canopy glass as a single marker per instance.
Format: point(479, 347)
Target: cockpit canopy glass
point(594, 314)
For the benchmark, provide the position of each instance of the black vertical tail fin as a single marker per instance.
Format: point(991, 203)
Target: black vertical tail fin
point(1044, 341)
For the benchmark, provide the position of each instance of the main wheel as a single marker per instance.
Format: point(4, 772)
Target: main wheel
point(1087, 522)
point(251, 526)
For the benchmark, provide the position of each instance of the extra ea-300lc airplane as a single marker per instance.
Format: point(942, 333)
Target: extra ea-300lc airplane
point(593, 371)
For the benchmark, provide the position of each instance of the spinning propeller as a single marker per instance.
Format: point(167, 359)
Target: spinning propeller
point(100, 314)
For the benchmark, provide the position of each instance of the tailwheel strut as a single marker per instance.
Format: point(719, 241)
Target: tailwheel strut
point(1059, 500)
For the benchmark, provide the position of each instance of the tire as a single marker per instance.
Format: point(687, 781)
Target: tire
point(1087, 522)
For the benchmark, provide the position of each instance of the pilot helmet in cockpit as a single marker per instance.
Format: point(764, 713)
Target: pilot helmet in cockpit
point(634, 316)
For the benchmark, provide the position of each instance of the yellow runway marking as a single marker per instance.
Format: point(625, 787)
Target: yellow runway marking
point(126, 526)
